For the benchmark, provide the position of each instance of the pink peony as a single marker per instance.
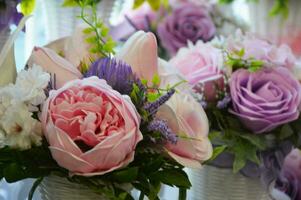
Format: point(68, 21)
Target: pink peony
point(201, 64)
point(188, 120)
point(91, 128)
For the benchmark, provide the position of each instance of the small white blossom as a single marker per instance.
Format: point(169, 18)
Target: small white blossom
point(21, 130)
point(31, 84)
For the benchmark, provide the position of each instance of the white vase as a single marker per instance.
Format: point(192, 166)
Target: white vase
point(58, 188)
point(277, 29)
point(61, 21)
point(212, 183)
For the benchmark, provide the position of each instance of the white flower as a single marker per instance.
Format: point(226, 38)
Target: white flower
point(21, 130)
point(30, 85)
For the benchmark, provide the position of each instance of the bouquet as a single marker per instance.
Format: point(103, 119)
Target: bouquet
point(106, 122)
point(175, 23)
point(250, 91)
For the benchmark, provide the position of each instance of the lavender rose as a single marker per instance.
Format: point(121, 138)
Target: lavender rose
point(187, 22)
point(288, 184)
point(265, 99)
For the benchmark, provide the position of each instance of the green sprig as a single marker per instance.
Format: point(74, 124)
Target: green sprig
point(97, 32)
point(235, 61)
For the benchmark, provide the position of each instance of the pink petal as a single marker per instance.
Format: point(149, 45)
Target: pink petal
point(54, 64)
point(140, 52)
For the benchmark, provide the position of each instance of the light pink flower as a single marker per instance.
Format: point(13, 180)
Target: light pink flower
point(140, 52)
point(261, 49)
point(91, 128)
point(183, 114)
point(188, 120)
point(201, 64)
point(52, 63)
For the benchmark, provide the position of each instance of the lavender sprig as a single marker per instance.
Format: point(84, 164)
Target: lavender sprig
point(162, 127)
point(118, 74)
point(153, 107)
point(224, 102)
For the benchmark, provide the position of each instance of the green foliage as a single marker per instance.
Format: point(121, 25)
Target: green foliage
point(27, 6)
point(236, 61)
point(97, 33)
point(230, 136)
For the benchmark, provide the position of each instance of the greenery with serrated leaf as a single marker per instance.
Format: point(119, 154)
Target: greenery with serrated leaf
point(280, 7)
point(97, 33)
point(232, 137)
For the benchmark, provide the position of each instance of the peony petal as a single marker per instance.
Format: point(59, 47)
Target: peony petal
point(69, 161)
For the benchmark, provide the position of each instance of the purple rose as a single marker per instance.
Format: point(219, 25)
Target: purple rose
point(187, 22)
point(265, 99)
point(289, 180)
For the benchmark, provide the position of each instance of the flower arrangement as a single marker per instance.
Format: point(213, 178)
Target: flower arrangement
point(175, 23)
point(251, 96)
point(106, 122)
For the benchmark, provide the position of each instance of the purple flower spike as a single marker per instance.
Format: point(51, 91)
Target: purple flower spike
point(162, 127)
point(118, 74)
point(153, 107)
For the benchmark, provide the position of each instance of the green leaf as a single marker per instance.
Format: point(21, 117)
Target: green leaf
point(125, 176)
point(256, 140)
point(13, 173)
point(104, 31)
point(70, 3)
point(243, 151)
point(217, 151)
point(172, 177)
point(144, 82)
point(27, 6)
point(151, 97)
point(285, 132)
point(88, 30)
point(155, 4)
point(156, 80)
point(239, 163)
point(138, 3)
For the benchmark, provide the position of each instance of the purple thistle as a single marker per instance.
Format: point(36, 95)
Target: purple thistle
point(118, 74)
point(162, 127)
point(153, 107)
point(224, 102)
